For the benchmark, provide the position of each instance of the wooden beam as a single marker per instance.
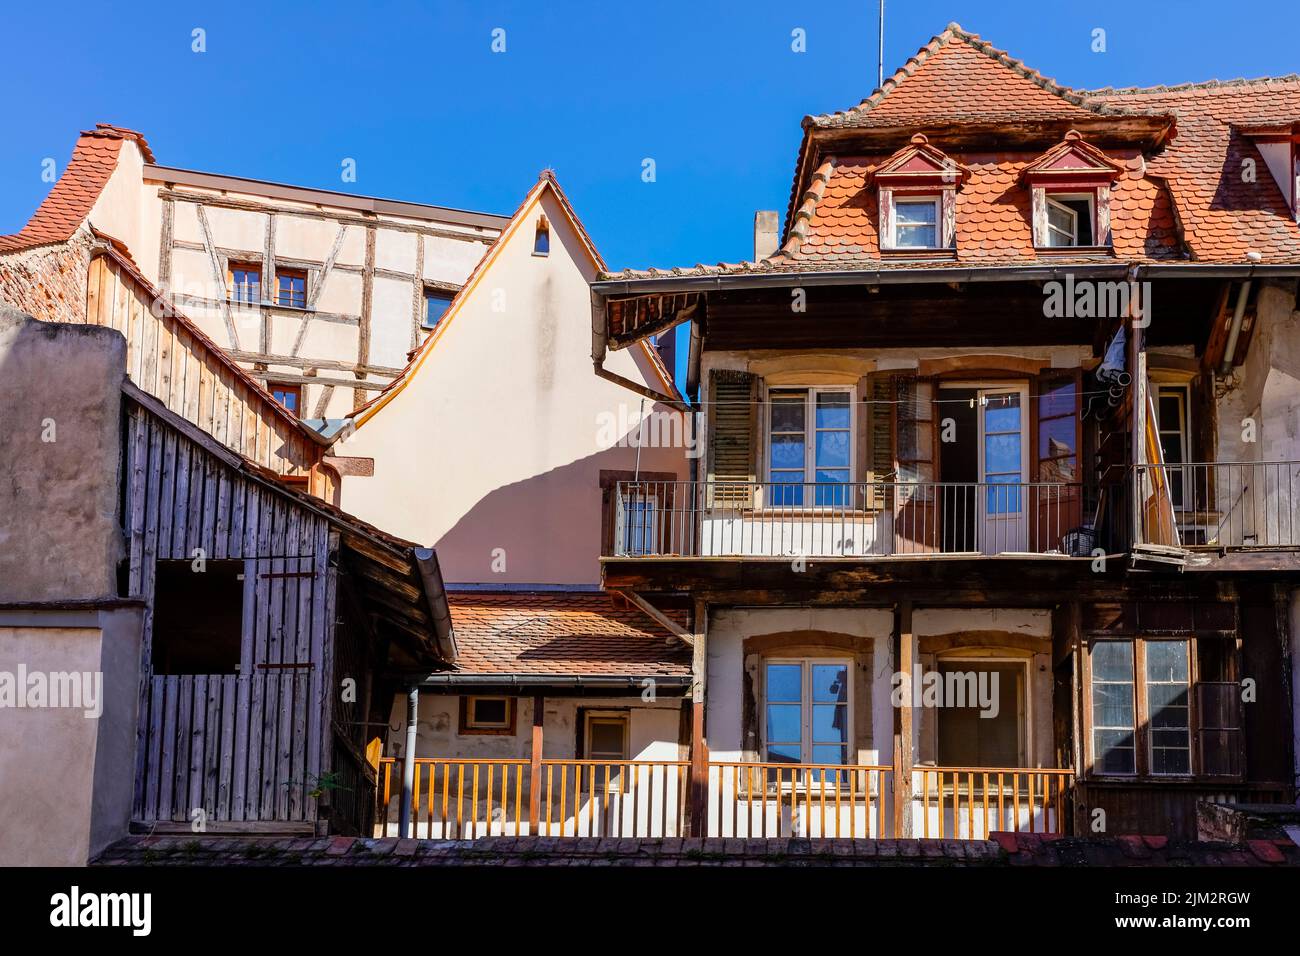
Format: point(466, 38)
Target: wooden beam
point(659, 617)
point(904, 745)
point(535, 765)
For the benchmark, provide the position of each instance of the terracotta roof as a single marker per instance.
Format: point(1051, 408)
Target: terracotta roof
point(966, 79)
point(1223, 215)
point(1186, 200)
point(74, 194)
point(561, 633)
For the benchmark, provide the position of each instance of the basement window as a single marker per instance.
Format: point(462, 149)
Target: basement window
point(487, 715)
point(197, 617)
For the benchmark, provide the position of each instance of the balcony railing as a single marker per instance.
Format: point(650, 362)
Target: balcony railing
point(968, 803)
point(861, 519)
point(1225, 505)
point(463, 798)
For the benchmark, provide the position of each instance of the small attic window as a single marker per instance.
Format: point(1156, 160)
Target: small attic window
point(1069, 219)
point(542, 239)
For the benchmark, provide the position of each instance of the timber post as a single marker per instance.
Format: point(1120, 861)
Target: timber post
point(535, 766)
point(699, 771)
point(904, 655)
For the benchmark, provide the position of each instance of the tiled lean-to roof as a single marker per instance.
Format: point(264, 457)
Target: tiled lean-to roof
point(69, 202)
point(566, 633)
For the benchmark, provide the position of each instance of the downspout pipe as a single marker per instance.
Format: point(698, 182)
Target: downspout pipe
point(408, 760)
point(1234, 331)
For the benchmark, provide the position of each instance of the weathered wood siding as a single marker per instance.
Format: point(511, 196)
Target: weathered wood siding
point(245, 747)
point(168, 358)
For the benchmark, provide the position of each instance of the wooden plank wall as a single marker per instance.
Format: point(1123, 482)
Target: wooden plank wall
point(182, 370)
point(246, 747)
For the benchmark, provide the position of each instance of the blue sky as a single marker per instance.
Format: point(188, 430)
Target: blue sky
point(413, 92)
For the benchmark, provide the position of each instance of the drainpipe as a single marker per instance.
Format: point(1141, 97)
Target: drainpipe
point(1231, 348)
point(408, 762)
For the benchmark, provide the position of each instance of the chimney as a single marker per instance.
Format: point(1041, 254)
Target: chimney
point(766, 235)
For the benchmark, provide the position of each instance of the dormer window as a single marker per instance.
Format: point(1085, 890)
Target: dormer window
point(917, 195)
point(1070, 185)
point(1069, 219)
point(916, 223)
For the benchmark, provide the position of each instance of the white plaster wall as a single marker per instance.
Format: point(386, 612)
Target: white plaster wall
point(495, 441)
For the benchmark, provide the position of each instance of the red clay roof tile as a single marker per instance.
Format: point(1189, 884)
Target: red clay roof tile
point(561, 633)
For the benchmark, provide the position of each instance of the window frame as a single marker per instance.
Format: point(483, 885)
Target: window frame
point(806, 742)
point(291, 273)
point(247, 267)
point(430, 293)
point(904, 199)
point(621, 717)
point(1056, 198)
point(469, 727)
point(810, 431)
point(294, 387)
point(1142, 737)
point(1182, 391)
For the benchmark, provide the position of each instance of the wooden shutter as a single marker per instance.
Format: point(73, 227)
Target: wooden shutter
point(915, 514)
point(875, 437)
point(733, 434)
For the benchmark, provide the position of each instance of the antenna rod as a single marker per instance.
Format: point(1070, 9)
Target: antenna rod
point(880, 64)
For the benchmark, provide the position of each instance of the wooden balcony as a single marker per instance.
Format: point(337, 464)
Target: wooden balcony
point(455, 799)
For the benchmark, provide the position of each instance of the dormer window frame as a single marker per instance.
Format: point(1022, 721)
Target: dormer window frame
point(916, 173)
point(1050, 184)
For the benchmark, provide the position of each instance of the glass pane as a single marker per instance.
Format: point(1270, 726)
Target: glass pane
point(1061, 218)
point(833, 410)
point(1057, 398)
point(1167, 696)
point(1166, 661)
point(1003, 500)
point(784, 753)
point(783, 723)
point(786, 490)
point(832, 450)
point(788, 412)
point(914, 212)
point(784, 682)
point(787, 451)
point(1112, 705)
point(1056, 438)
point(830, 682)
point(1002, 454)
point(1168, 760)
point(915, 237)
point(606, 738)
point(830, 723)
point(830, 754)
point(1002, 413)
point(490, 710)
point(1114, 749)
point(1112, 661)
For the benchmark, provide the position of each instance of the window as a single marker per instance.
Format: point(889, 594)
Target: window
point(807, 711)
point(198, 615)
point(970, 736)
point(487, 715)
point(1148, 694)
point(1069, 220)
point(605, 737)
point(1172, 425)
point(1168, 685)
point(638, 533)
point(1112, 707)
point(916, 223)
point(245, 282)
point(291, 288)
point(542, 238)
point(290, 396)
point(435, 304)
point(810, 435)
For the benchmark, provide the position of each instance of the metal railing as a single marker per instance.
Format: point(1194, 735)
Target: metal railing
point(860, 519)
point(1220, 505)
